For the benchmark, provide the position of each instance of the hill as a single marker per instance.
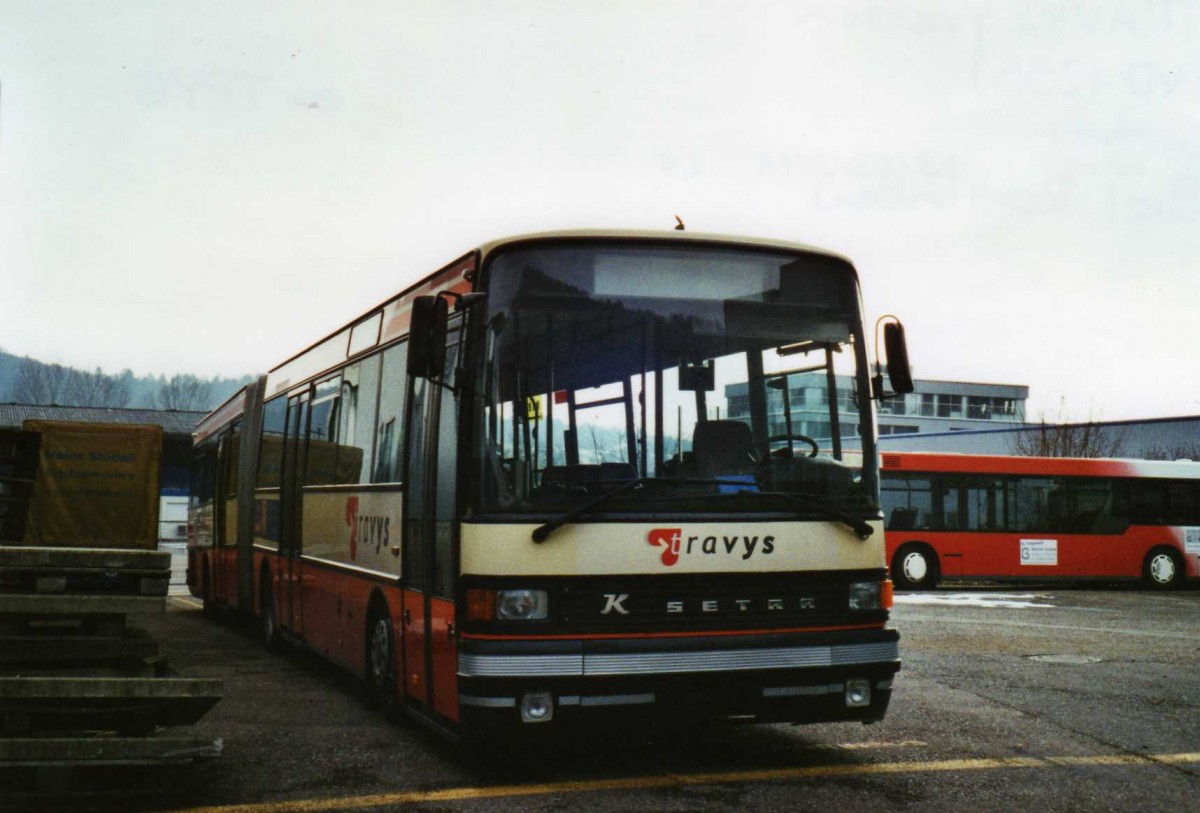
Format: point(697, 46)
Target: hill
point(27, 381)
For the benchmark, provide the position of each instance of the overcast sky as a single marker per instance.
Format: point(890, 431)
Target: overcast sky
point(208, 187)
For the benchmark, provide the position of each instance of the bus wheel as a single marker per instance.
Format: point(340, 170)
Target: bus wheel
point(381, 662)
point(206, 599)
point(915, 567)
point(1163, 569)
point(267, 626)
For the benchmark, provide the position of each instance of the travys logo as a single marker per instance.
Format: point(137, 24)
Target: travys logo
point(675, 544)
point(369, 531)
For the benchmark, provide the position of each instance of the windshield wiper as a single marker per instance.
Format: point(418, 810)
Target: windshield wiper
point(858, 524)
point(542, 532)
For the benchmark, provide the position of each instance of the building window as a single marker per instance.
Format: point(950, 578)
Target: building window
point(949, 406)
point(928, 407)
point(893, 405)
point(979, 408)
point(889, 429)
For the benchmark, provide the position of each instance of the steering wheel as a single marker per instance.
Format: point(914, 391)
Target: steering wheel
point(784, 454)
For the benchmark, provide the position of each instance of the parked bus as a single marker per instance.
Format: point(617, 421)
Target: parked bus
point(520, 495)
point(952, 516)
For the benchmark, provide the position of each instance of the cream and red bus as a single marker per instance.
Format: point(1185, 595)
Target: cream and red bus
point(957, 516)
point(519, 494)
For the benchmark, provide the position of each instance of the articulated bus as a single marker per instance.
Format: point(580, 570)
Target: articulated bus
point(567, 478)
point(952, 516)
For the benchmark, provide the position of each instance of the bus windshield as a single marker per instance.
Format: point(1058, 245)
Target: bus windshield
point(715, 376)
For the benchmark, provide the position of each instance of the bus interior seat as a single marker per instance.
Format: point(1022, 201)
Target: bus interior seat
point(903, 519)
point(723, 447)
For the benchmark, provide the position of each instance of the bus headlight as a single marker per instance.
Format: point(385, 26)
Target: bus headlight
point(521, 605)
point(871, 595)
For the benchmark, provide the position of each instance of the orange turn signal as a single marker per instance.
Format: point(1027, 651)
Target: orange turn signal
point(481, 605)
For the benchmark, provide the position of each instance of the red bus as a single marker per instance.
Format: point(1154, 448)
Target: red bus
point(512, 497)
point(952, 516)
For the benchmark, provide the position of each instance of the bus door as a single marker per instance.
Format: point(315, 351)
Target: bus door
point(290, 504)
point(430, 661)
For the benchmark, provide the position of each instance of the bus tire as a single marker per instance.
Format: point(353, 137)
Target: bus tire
point(1163, 569)
point(380, 667)
point(268, 626)
point(206, 598)
point(915, 567)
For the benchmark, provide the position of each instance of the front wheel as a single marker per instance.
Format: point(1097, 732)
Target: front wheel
point(1163, 569)
point(915, 567)
point(381, 664)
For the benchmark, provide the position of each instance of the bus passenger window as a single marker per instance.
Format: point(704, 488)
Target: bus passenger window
point(356, 427)
point(907, 503)
point(390, 421)
point(984, 503)
point(270, 453)
point(322, 467)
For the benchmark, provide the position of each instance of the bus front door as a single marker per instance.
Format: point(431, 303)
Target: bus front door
point(430, 660)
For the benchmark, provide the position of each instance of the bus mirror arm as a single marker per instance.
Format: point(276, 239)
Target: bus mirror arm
point(467, 301)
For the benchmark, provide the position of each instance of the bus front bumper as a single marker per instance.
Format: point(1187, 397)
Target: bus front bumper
point(801, 678)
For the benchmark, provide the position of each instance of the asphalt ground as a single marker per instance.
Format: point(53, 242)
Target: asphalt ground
point(1048, 698)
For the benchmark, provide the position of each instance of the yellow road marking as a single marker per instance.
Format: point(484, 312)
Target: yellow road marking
point(681, 780)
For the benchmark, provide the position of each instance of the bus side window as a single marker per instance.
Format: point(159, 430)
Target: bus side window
point(356, 427)
point(204, 473)
point(907, 502)
point(1090, 507)
point(390, 421)
point(950, 491)
point(1040, 504)
point(270, 453)
point(321, 463)
point(232, 455)
point(984, 503)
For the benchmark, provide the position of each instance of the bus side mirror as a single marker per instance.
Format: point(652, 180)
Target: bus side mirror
point(427, 337)
point(896, 349)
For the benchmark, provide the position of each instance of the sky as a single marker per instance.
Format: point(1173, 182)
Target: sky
point(208, 188)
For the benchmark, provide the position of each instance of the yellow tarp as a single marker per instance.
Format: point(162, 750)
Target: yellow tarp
point(97, 485)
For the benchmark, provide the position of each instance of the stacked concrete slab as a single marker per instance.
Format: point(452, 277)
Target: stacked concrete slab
point(78, 684)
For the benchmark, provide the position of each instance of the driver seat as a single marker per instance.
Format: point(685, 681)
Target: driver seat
point(722, 447)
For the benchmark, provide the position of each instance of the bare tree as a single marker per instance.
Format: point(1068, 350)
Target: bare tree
point(597, 447)
point(38, 383)
point(184, 392)
point(96, 389)
point(1088, 439)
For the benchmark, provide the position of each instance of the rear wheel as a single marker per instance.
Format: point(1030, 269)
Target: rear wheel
point(206, 598)
point(1163, 569)
point(267, 625)
point(915, 567)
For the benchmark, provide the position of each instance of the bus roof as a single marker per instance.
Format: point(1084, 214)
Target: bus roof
point(645, 234)
point(1047, 466)
point(392, 314)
